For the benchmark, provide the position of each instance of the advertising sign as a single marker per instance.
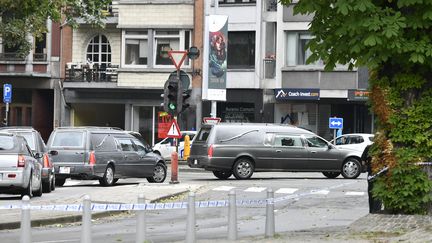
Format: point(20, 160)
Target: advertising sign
point(297, 94)
point(358, 95)
point(164, 123)
point(218, 44)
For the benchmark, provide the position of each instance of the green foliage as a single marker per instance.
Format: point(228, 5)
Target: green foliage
point(22, 17)
point(393, 39)
point(407, 191)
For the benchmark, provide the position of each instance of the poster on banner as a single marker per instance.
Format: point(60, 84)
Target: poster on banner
point(164, 123)
point(218, 46)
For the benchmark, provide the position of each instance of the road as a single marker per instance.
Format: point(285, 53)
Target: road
point(319, 202)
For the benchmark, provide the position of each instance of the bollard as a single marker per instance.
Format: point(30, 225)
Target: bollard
point(25, 220)
point(190, 227)
point(232, 216)
point(174, 168)
point(270, 220)
point(86, 220)
point(186, 148)
point(141, 223)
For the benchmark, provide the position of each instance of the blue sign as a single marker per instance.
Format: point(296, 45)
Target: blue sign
point(7, 93)
point(335, 123)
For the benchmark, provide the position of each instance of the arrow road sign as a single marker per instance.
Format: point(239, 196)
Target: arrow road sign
point(7, 93)
point(335, 123)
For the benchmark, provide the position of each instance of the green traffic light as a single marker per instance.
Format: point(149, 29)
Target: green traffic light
point(171, 106)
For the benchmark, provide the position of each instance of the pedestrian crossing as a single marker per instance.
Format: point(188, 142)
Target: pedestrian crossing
point(284, 190)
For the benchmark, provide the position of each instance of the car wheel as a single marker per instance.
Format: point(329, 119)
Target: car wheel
point(159, 174)
point(115, 180)
point(222, 174)
point(60, 181)
point(243, 168)
point(28, 190)
point(38, 192)
point(331, 175)
point(108, 177)
point(53, 183)
point(351, 168)
point(47, 187)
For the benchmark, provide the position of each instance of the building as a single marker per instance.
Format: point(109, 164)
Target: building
point(268, 79)
point(33, 79)
point(115, 76)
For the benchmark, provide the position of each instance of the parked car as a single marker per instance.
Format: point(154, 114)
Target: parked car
point(20, 172)
point(242, 149)
point(38, 147)
point(354, 141)
point(102, 153)
point(167, 145)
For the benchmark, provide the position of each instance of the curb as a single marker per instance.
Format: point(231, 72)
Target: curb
point(77, 218)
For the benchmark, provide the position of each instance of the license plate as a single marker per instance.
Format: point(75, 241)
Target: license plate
point(64, 170)
point(195, 161)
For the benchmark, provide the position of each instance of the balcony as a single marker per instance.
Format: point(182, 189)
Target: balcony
point(11, 57)
point(77, 72)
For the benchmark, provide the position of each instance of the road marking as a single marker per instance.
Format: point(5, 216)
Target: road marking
point(255, 189)
point(354, 193)
point(286, 190)
point(72, 183)
point(320, 192)
point(223, 188)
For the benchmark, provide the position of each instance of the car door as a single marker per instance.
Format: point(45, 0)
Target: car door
point(127, 165)
point(146, 163)
point(322, 155)
point(289, 152)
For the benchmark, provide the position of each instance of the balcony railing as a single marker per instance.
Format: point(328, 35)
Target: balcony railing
point(11, 56)
point(269, 68)
point(39, 57)
point(90, 73)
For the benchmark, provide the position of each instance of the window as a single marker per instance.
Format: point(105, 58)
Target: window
point(103, 142)
point(287, 141)
point(297, 54)
point(241, 49)
point(68, 139)
point(136, 48)
point(126, 145)
point(169, 40)
point(99, 51)
point(317, 142)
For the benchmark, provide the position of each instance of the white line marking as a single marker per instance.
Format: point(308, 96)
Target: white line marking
point(223, 188)
point(255, 189)
point(320, 192)
point(72, 183)
point(354, 193)
point(286, 190)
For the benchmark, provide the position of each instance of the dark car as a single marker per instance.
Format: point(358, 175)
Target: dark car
point(38, 147)
point(242, 149)
point(20, 172)
point(102, 153)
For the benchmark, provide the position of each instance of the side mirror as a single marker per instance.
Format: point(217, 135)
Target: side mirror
point(330, 146)
point(53, 152)
point(38, 155)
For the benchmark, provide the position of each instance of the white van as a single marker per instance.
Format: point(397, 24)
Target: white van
point(167, 145)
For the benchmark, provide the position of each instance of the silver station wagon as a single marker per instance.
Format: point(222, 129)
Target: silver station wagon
point(241, 149)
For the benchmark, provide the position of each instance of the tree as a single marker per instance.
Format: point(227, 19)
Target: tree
point(393, 39)
point(19, 18)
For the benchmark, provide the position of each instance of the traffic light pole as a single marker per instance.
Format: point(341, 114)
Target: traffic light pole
point(174, 155)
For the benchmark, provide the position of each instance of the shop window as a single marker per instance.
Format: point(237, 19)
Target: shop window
point(241, 49)
point(296, 51)
point(99, 51)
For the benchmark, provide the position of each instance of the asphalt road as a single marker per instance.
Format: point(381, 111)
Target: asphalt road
point(319, 202)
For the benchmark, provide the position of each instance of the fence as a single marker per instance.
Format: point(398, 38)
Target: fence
point(141, 207)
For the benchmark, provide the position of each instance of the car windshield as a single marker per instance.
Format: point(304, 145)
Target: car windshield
point(7, 144)
point(68, 139)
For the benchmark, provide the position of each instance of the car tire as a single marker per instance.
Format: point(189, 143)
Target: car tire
point(53, 183)
point(351, 168)
point(47, 187)
point(38, 192)
point(60, 181)
point(159, 174)
point(108, 177)
point(28, 190)
point(222, 174)
point(243, 169)
point(331, 175)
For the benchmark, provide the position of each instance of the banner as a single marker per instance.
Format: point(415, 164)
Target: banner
point(218, 44)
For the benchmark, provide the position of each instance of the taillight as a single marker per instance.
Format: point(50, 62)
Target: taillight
point(210, 151)
point(21, 161)
point(92, 158)
point(46, 161)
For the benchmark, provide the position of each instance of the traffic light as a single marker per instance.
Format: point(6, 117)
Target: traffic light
point(185, 102)
point(172, 96)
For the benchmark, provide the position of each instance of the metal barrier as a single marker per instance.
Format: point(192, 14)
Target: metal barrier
point(87, 207)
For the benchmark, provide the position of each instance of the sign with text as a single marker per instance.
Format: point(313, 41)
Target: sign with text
point(7, 93)
point(358, 95)
point(297, 94)
point(164, 123)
